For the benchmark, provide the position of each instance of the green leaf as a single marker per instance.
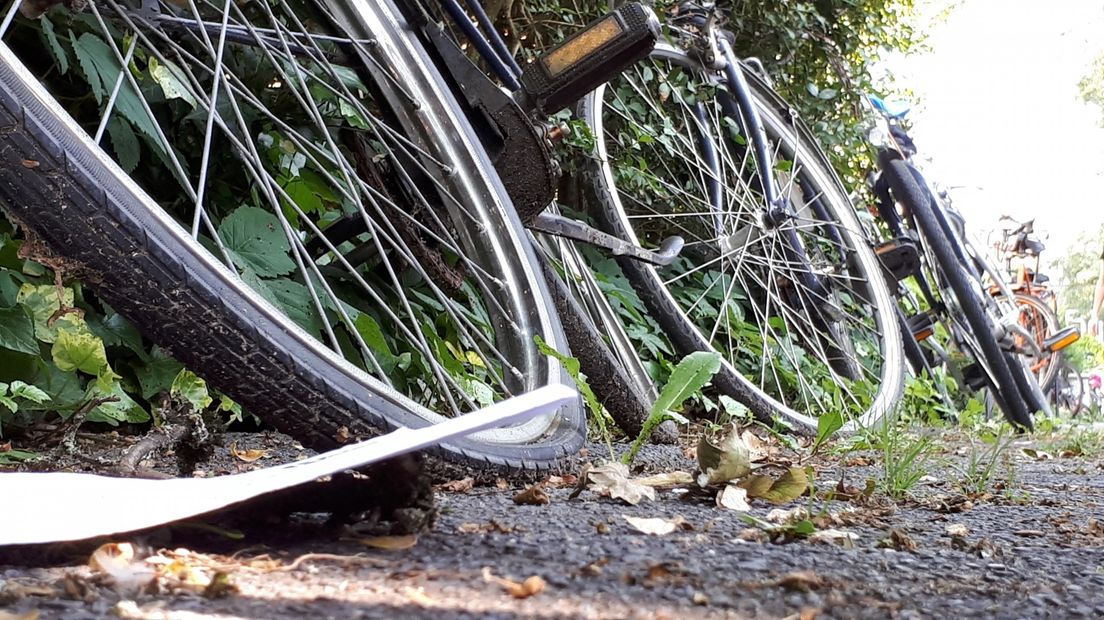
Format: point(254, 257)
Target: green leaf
point(827, 425)
point(256, 237)
point(125, 409)
point(80, 349)
point(173, 81)
point(60, 55)
point(156, 375)
point(19, 389)
point(102, 69)
point(127, 148)
point(191, 388)
point(116, 331)
point(789, 486)
point(689, 377)
point(288, 296)
point(42, 301)
point(372, 335)
point(17, 330)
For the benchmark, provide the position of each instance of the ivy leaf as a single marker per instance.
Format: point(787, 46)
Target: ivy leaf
point(191, 388)
point(157, 375)
point(255, 237)
point(124, 409)
point(17, 330)
point(42, 302)
point(80, 349)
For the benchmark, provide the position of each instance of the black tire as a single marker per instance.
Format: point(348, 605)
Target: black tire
point(918, 203)
point(829, 221)
point(115, 237)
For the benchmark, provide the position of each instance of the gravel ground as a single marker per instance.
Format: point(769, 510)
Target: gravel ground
point(1032, 546)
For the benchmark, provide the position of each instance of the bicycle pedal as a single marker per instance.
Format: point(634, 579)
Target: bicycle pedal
point(588, 58)
point(899, 257)
point(974, 377)
point(922, 325)
point(1064, 338)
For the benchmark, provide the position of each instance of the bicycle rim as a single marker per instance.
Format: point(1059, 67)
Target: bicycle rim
point(671, 160)
point(336, 197)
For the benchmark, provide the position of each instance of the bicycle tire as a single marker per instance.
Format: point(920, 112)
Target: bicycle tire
point(151, 270)
point(917, 201)
point(762, 384)
point(1042, 322)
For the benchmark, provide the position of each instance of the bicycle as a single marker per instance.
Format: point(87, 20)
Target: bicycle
point(930, 245)
point(336, 253)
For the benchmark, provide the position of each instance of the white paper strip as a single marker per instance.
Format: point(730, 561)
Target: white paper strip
point(54, 507)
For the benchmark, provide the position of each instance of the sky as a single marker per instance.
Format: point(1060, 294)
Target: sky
point(997, 110)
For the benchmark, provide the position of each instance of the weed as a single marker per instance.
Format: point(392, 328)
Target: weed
point(982, 462)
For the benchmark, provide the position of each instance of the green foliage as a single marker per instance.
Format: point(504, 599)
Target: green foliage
point(1085, 354)
point(981, 464)
point(1078, 269)
point(688, 378)
point(597, 412)
point(1091, 85)
point(905, 454)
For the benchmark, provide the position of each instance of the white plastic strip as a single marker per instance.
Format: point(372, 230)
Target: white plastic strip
point(54, 507)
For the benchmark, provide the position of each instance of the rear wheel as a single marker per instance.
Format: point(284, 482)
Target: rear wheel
point(672, 160)
point(328, 247)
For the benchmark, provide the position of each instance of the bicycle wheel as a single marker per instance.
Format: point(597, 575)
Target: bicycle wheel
point(1041, 322)
point(670, 160)
point(1067, 391)
point(966, 313)
point(291, 203)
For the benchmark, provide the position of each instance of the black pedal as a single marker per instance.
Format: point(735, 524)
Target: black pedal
point(922, 325)
point(899, 257)
point(576, 66)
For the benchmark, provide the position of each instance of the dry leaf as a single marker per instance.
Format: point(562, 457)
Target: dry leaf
point(669, 479)
point(758, 449)
point(457, 486)
point(525, 589)
point(836, 537)
point(118, 561)
point(342, 435)
point(612, 479)
point(656, 526)
point(557, 482)
point(390, 543)
point(5, 446)
point(899, 540)
point(803, 580)
point(533, 496)
point(26, 615)
point(958, 530)
point(722, 457)
point(1038, 455)
point(789, 486)
point(733, 497)
point(417, 596)
point(247, 456)
point(30, 163)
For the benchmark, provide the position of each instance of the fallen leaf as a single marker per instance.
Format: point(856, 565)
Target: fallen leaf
point(787, 517)
point(390, 543)
point(753, 534)
point(897, 539)
point(669, 479)
point(733, 497)
point(789, 486)
point(30, 614)
point(803, 580)
point(533, 496)
point(985, 548)
point(525, 589)
point(119, 562)
point(501, 484)
point(566, 480)
point(30, 163)
point(594, 569)
point(723, 456)
point(247, 456)
point(342, 435)
point(417, 596)
point(758, 449)
point(1038, 455)
point(462, 485)
point(858, 461)
point(958, 530)
point(612, 479)
point(837, 537)
point(656, 526)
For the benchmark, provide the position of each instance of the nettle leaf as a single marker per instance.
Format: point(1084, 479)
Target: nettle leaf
point(60, 55)
point(191, 388)
point(256, 237)
point(80, 349)
point(128, 150)
point(17, 330)
point(42, 302)
point(172, 80)
point(102, 69)
point(288, 296)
